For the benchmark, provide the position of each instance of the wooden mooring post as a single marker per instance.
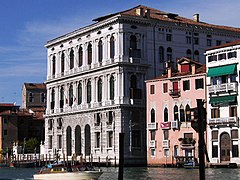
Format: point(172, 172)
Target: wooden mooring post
point(121, 156)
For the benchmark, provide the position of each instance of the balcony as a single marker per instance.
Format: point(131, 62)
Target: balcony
point(165, 143)
point(134, 55)
point(223, 88)
point(224, 121)
point(152, 144)
point(152, 126)
point(175, 93)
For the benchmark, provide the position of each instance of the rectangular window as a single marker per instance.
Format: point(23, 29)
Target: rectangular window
point(165, 87)
point(232, 55)
point(5, 120)
point(49, 142)
point(215, 113)
point(188, 39)
point(59, 142)
point(214, 151)
point(186, 85)
point(97, 119)
point(232, 111)
point(136, 138)
point(152, 89)
point(5, 132)
point(153, 134)
point(110, 139)
point(233, 77)
point(110, 117)
point(209, 42)
point(188, 135)
point(97, 140)
point(196, 40)
point(218, 42)
point(153, 152)
point(224, 79)
point(169, 37)
point(234, 134)
point(165, 134)
point(214, 135)
point(222, 56)
point(199, 83)
point(235, 152)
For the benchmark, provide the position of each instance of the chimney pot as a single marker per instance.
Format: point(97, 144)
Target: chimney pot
point(196, 17)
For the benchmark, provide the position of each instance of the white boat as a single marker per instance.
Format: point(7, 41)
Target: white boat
point(59, 172)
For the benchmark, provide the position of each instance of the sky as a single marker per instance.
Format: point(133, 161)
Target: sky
point(27, 25)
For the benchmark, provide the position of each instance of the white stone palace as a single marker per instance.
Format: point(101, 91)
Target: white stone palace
point(95, 78)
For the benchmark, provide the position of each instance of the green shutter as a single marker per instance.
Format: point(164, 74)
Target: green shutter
point(221, 70)
point(222, 99)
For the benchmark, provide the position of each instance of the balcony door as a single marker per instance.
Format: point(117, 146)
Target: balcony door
point(175, 87)
point(225, 146)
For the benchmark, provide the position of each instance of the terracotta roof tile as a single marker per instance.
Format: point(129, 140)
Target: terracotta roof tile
point(165, 16)
point(35, 85)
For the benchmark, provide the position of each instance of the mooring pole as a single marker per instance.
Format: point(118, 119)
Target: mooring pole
point(121, 156)
point(201, 144)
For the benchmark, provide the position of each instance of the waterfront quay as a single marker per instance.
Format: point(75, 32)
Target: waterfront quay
point(140, 173)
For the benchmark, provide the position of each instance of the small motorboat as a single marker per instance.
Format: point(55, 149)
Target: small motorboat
point(191, 165)
point(61, 172)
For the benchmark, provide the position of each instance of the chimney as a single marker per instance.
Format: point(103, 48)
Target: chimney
point(196, 17)
point(147, 13)
point(140, 12)
point(193, 68)
point(169, 72)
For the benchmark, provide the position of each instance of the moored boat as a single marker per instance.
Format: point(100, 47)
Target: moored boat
point(60, 172)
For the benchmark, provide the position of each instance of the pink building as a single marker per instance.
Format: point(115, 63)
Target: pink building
point(171, 108)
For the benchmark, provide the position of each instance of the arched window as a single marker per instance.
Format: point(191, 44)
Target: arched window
point(79, 93)
point(78, 144)
point(111, 88)
point(100, 51)
point(71, 59)
point(133, 82)
point(89, 95)
point(53, 65)
point(80, 56)
point(152, 116)
point(196, 55)
point(50, 124)
point(61, 97)
point(62, 63)
point(87, 137)
point(112, 47)
point(166, 114)
point(188, 113)
point(189, 53)
point(182, 114)
point(71, 95)
point(89, 52)
point(30, 98)
point(169, 54)
point(52, 99)
point(133, 42)
point(175, 111)
point(69, 141)
point(161, 54)
point(99, 90)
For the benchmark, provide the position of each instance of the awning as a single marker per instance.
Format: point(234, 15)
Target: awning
point(221, 70)
point(222, 99)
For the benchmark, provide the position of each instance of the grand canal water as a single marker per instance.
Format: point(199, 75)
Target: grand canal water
point(136, 173)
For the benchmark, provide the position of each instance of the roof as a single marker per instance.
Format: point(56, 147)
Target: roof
point(165, 16)
point(7, 104)
point(35, 86)
point(234, 43)
point(200, 69)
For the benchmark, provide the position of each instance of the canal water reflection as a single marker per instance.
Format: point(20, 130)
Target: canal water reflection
point(136, 173)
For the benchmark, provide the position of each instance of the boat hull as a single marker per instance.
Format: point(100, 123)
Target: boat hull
point(69, 175)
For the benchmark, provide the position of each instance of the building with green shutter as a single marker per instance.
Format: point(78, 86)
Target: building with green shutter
point(222, 104)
